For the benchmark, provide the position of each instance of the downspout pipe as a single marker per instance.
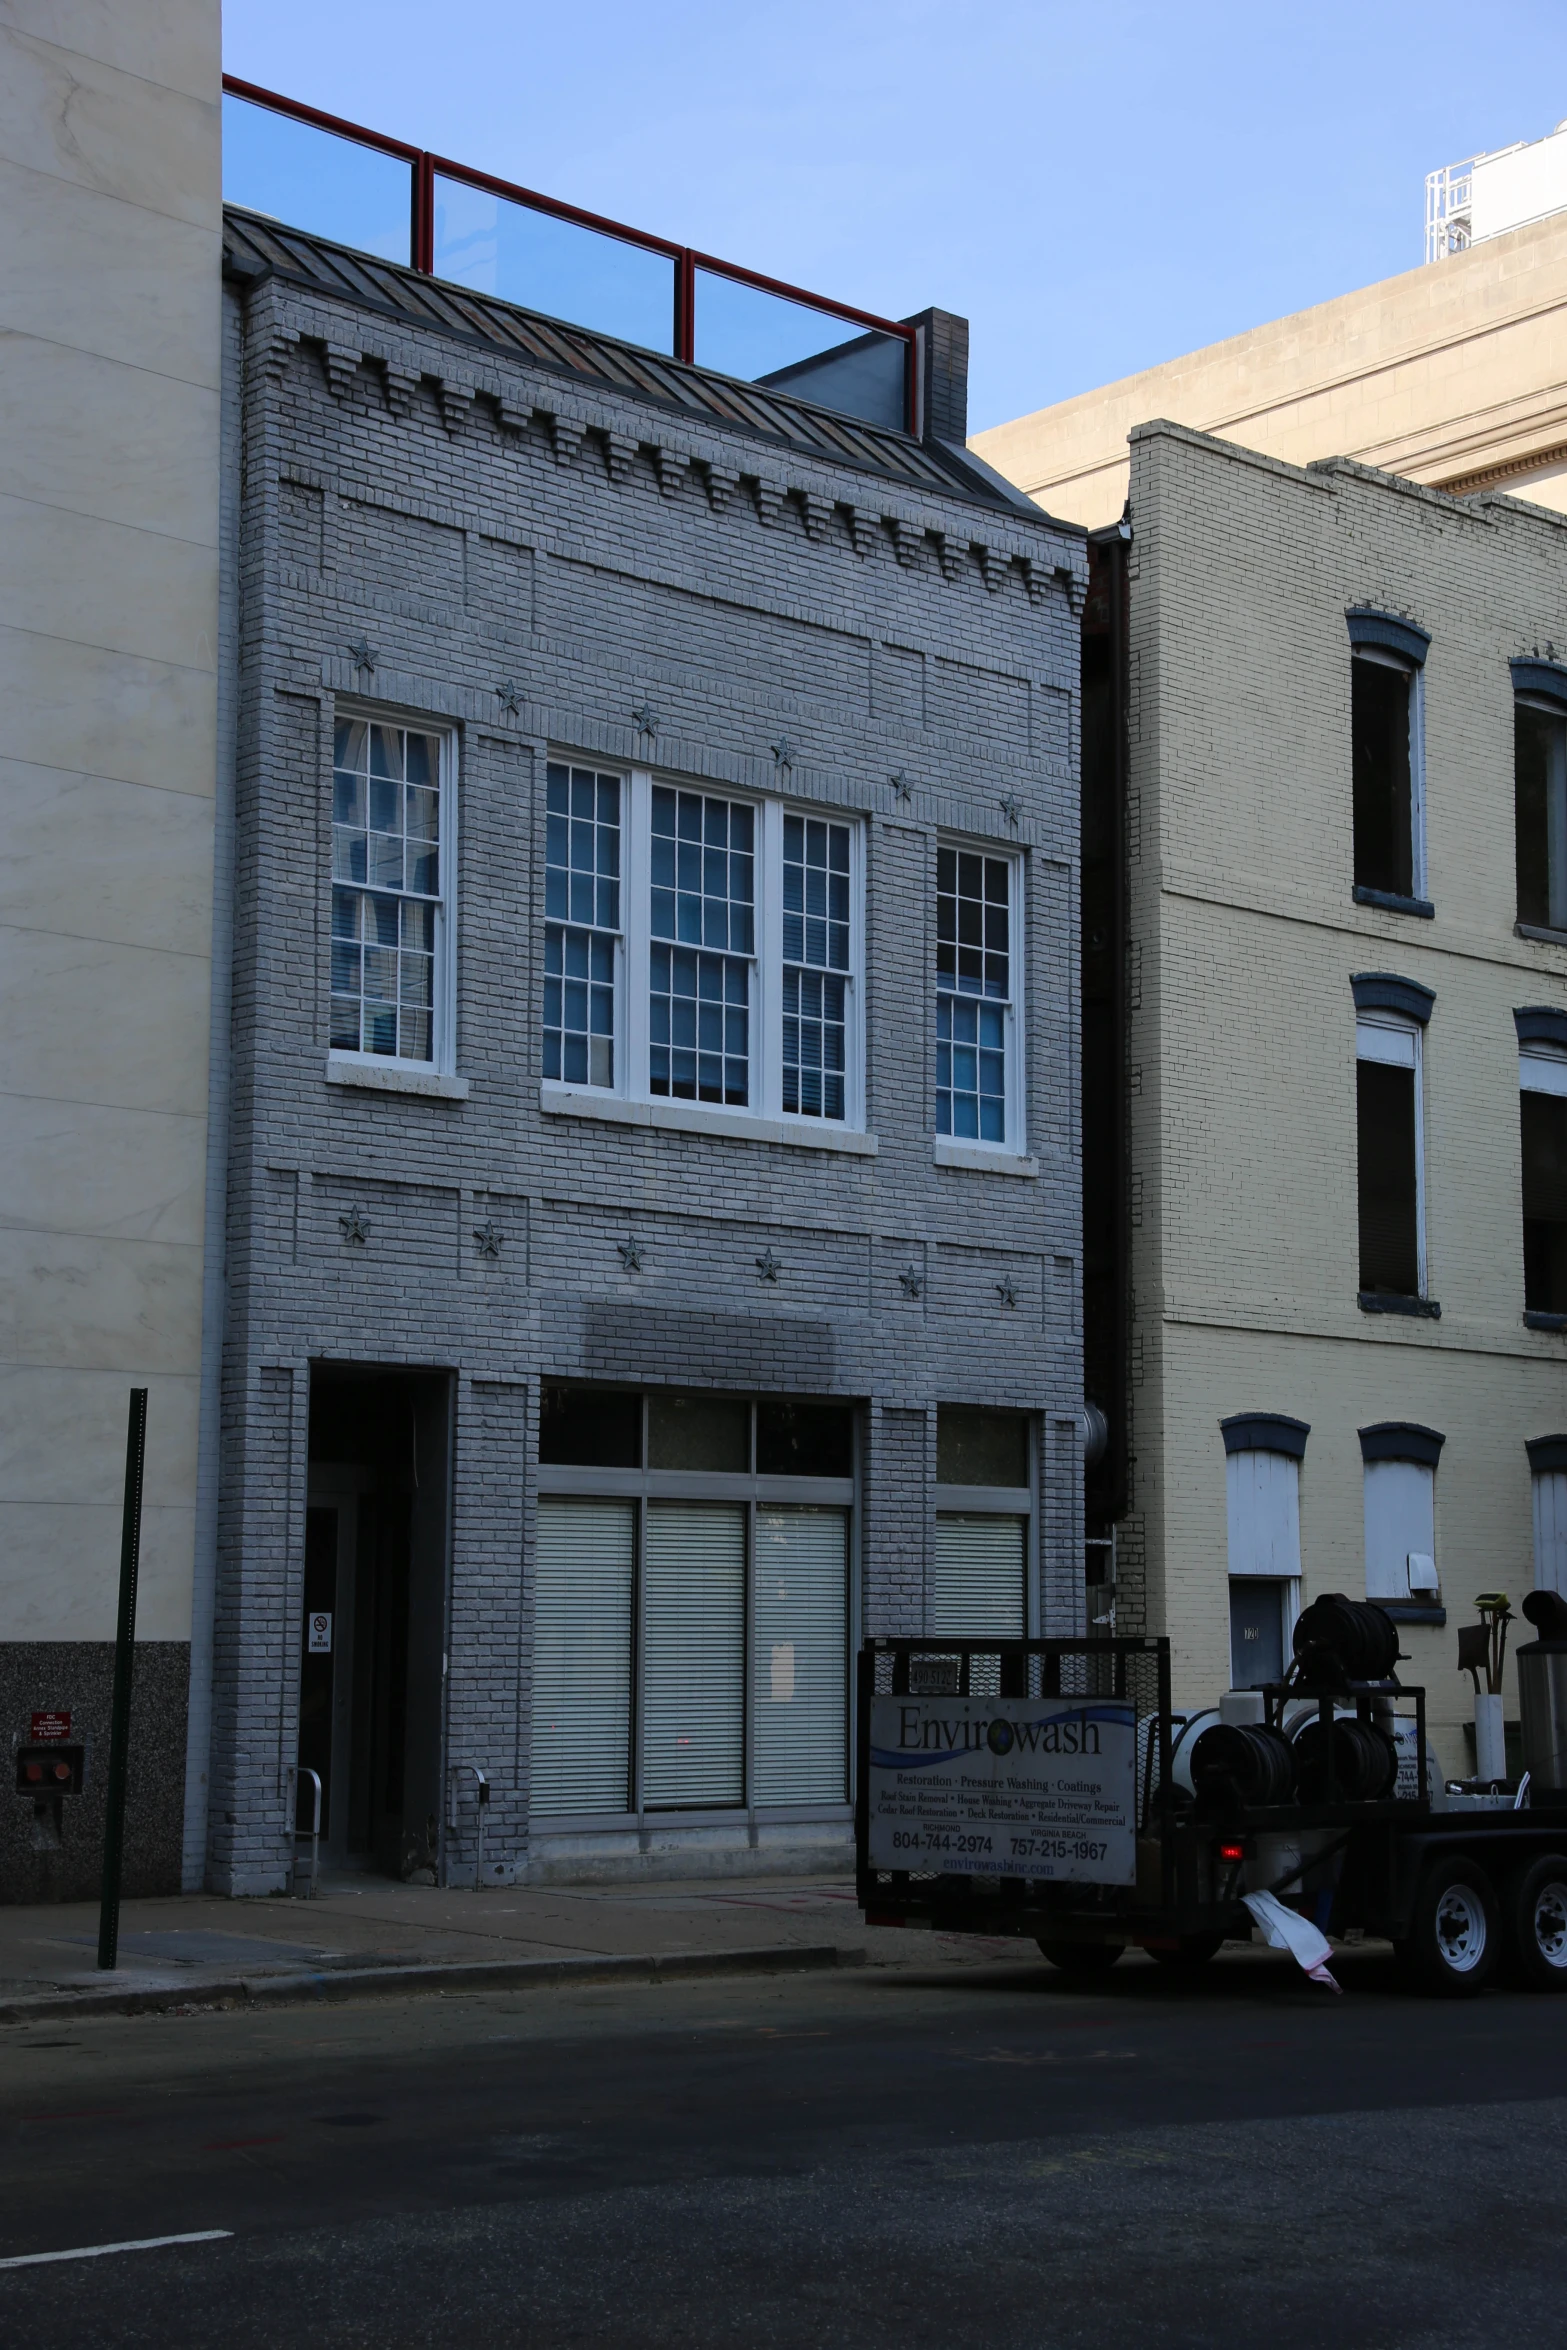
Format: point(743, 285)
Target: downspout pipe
point(214, 1280)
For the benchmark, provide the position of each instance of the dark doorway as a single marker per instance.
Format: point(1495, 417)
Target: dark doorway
point(1257, 1624)
point(373, 1631)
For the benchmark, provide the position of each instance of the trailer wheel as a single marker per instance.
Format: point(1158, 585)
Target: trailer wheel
point(1454, 1940)
point(1537, 1922)
point(1085, 1962)
point(1189, 1955)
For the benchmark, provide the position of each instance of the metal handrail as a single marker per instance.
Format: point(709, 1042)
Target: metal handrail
point(296, 1772)
point(481, 1793)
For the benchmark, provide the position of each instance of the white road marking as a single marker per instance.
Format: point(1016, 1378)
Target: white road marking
point(98, 2251)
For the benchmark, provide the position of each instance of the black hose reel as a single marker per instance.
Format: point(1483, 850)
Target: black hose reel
point(1339, 1641)
point(1245, 1762)
point(1364, 1761)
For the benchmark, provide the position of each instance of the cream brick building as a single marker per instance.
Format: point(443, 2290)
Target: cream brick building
point(1248, 582)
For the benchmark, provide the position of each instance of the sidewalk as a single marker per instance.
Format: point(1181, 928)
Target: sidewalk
point(364, 1936)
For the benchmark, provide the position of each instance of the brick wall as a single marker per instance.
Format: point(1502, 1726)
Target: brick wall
point(490, 527)
point(1242, 1046)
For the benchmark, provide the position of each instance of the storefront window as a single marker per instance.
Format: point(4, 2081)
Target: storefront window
point(984, 1527)
point(691, 1617)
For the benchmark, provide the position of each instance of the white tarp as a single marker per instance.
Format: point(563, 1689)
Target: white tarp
point(1004, 1787)
point(1286, 1929)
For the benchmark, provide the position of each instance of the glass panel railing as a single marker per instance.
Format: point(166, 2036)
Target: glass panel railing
point(313, 179)
point(576, 274)
point(769, 340)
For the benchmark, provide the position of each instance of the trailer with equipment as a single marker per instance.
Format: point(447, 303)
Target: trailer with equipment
point(1045, 1789)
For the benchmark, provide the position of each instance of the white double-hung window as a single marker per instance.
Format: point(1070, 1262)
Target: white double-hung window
point(702, 948)
point(582, 925)
point(392, 811)
point(978, 994)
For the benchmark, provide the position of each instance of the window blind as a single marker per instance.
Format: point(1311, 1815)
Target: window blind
point(582, 1588)
point(693, 1695)
point(980, 1568)
point(1550, 1531)
point(800, 1659)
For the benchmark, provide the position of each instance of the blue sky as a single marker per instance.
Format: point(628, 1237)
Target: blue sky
point(1096, 188)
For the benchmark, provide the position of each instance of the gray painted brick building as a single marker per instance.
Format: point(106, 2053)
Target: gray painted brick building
point(653, 1133)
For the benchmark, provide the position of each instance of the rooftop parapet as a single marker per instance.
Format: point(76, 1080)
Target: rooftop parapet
point(380, 197)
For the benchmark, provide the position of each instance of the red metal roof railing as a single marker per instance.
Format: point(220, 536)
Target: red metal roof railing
point(862, 371)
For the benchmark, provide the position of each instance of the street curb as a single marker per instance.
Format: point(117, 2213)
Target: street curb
point(379, 1982)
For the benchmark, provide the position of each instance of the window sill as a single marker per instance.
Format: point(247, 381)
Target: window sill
point(1539, 930)
point(1389, 902)
point(1423, 1309)
point(395, 1077)
point(1534, 1320)
point(573, 1101)
point(1410, 1611)
point(975, 1155)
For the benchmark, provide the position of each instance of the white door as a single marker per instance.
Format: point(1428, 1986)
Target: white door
point(800, 1647)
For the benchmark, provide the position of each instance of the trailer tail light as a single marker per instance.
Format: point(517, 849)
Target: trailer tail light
point(1232, 1852)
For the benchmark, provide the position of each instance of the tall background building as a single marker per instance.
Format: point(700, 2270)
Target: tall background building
point(110, 202)
point(1450, 374)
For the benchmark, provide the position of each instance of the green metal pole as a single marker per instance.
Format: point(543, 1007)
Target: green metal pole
point(124, 1658)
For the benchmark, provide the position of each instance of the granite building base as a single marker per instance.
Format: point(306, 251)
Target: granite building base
point(52, 1849)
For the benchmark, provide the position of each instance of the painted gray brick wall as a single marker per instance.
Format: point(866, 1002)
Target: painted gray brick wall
point(481, 525)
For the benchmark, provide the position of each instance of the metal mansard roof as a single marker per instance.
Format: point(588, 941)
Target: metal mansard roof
point(255, 247)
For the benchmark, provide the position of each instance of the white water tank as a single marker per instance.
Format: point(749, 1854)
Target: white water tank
point(1489, 194)
point(1519, 184)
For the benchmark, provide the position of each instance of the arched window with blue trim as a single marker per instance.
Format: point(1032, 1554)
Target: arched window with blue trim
point(1540, 792)
point(1262, 1456)
point(1387, 749)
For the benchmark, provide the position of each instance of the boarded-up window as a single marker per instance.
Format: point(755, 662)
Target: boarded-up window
point(1400, 1513)
point(1262, 1491)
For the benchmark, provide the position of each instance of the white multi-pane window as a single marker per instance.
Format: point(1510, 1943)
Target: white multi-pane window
point(581, 924)
point(978, 1092)
point(391, 851)
point(702, 948)
point(816, 965)
point(702, 906)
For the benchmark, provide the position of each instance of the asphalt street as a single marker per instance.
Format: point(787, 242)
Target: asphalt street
point(900, 2156)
